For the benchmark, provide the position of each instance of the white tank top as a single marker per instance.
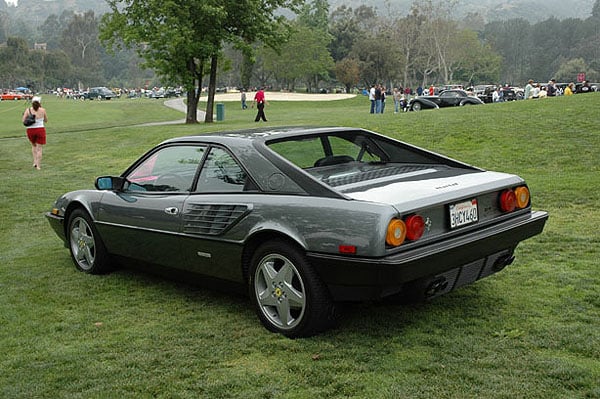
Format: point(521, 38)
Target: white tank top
point(39, 122)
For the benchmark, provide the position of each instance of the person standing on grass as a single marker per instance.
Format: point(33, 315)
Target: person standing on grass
point(528, 90)
point(259, 99)
point(243, 98)
point(36, 133)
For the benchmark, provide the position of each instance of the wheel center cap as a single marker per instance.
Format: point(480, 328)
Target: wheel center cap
point(278, 292)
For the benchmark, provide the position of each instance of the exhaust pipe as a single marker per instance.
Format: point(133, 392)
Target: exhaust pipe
point(436, 286)
point(502, 262)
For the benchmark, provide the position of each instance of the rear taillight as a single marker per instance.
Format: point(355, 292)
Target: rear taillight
point(522, 194)
point(508, 201)
point(411, 228)
point(512, 199)
point(415, 227)
point(396, 232)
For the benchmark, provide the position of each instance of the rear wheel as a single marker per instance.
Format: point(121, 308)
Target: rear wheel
point(416, 106)
point(86, 246)
point(288, 295)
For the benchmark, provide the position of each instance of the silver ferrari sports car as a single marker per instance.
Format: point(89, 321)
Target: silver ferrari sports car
point(305, 218)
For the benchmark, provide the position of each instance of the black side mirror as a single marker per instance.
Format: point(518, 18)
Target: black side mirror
point(114, 183)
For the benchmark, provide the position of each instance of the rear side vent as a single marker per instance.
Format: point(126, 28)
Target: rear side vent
point(211, 219)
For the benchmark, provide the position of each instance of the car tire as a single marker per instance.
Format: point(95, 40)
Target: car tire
point(416, 106)
point(288, 295)
point(86, 246)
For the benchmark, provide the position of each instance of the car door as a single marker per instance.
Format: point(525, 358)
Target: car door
point(449, 98)
point(212, 236)
point(144, 220)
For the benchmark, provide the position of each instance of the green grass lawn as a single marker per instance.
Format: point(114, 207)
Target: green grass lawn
point(531, 331)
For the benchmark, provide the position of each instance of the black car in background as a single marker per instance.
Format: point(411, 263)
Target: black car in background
point(447, 98)
point(98, 93)
point(507, 94)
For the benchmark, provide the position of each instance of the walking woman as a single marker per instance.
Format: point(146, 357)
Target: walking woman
point(36, 133)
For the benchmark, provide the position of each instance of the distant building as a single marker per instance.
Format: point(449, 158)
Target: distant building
point(40, 46)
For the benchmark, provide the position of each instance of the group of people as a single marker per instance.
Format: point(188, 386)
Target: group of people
point(377, 97)
point(536, 90)
point(550, 90)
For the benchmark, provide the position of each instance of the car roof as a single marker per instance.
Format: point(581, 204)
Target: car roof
point(258, 134)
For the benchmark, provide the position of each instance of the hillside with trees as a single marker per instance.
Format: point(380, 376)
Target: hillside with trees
point(323, 46)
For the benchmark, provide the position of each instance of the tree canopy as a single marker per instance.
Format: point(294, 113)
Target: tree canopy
point(178, 38)
point(253, 42)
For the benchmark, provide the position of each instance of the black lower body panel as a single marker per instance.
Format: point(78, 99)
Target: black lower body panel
point(461, 260)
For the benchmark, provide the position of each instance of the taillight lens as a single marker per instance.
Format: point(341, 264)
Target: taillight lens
point(508, 201)
point(415, 227)
point(396, 232)
point(522, 194)
point(514, 199)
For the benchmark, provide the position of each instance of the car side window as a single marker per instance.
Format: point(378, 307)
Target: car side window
point(169, 169)
point(221, 173)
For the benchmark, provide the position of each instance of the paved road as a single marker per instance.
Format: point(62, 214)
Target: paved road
point(179, 105)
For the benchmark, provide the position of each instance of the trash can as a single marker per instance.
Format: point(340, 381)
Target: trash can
point(220, 111)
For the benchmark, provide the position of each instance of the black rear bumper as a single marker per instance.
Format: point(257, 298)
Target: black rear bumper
point(350, 278)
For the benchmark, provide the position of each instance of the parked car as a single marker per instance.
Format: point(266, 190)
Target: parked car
point(98, 93)
point(157, 93)
point(586, 87)
point(173, 92)
point(447, 98)
point(508, 93)
point(303, 217)
point(12, 95)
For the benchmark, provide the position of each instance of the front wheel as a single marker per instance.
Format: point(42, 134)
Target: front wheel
point(85, 244)
point(416, 107)
point(288, 295)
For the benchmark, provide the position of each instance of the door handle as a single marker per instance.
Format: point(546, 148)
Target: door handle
point(171, 210)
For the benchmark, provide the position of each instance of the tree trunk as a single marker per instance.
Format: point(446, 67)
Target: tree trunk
point(208, 118)
point(192, 107)
point(193, 96)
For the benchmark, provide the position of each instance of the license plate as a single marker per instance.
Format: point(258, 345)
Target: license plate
point(463, 213)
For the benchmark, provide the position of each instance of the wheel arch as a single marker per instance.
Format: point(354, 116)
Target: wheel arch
point(72, 206)
point(425, 103)
point(258, 238)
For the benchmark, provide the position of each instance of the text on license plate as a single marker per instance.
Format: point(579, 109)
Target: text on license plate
point(463, 213)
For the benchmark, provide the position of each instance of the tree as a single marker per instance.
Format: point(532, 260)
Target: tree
point(179, 38)
point(568, 71)
point(347, 72)
point(80, 42)
point(14, 61)
point(513, 40)
point(314, 14)
point(304, 57)
point(471, 61)
point(346, 27)
point(436, 33)
point(596, 9)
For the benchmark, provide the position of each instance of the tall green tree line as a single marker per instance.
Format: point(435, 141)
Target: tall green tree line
point(249, 44)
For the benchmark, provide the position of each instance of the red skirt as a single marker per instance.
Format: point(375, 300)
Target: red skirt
point(37, 135)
